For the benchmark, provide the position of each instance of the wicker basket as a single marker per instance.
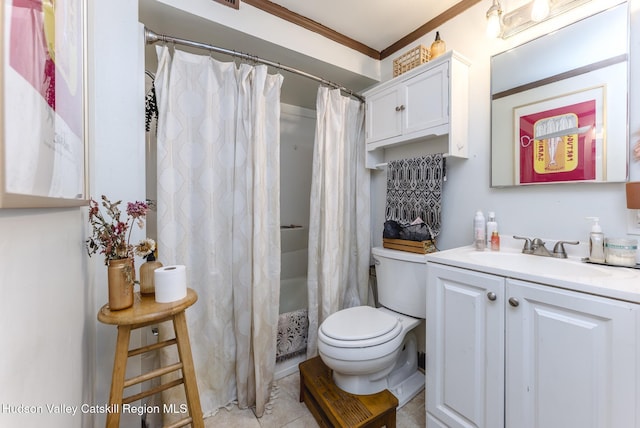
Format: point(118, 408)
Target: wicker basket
point(411, 59)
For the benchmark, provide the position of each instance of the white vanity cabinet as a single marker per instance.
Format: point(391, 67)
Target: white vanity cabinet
point(504, 352)
point(429, 101)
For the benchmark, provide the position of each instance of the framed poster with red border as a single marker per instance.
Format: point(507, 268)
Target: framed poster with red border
point(560, 139)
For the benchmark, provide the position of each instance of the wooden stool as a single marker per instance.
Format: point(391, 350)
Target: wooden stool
point(333, 407)
point(144, 312)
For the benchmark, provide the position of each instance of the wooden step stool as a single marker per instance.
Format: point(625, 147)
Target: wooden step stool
point(333, 407)
point(144, 312)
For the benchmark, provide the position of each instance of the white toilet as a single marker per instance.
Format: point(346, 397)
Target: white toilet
point(372, 349)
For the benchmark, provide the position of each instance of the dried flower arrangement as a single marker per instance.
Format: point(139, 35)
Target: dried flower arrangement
point(111, 234)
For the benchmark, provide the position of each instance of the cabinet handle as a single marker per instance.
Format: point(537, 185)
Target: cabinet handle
point(513, 301)
point(491, 296)
point(400, 108)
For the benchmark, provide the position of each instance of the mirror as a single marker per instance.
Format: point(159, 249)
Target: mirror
point(562, 116)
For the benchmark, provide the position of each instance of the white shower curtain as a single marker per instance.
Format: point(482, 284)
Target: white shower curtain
point(339, 231)
point(219, 215)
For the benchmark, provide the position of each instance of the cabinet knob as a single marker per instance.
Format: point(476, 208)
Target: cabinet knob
point(400, 108)
point(491, 296)
point(513, 301)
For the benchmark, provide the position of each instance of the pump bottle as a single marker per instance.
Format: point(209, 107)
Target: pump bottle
point(492, 226)
point(479, 231)
point(596, 242)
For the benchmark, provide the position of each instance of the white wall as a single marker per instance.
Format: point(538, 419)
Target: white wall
point(45, 322)
point(297, 134)
point(548, 211)
point(118, 155)
point(255, 22)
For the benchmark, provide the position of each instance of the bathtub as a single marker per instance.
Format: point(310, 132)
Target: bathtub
point(292, 326)
point(293, 268)
point(293, 294)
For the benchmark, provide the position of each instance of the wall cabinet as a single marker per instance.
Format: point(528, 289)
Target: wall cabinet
point(509, 353)
point(429, 101)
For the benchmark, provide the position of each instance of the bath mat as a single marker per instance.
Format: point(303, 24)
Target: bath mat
point(414, 189)
point(293, 328)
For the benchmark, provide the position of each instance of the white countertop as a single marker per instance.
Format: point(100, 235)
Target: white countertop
point(571, 273)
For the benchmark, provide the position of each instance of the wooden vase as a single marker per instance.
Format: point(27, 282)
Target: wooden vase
point(120, 277)
point(147, 282)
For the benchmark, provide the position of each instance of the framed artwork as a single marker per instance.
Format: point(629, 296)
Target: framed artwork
point(43, 147)
point(560, 139)
point(568, 129)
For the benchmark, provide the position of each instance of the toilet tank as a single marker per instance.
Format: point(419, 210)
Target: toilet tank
point(401, 277)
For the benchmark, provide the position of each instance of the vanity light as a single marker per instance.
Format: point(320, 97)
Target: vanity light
point(494, 25)
point(539, 10)
point(533, 13)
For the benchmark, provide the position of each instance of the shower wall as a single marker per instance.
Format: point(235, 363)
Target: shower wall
point(297, 131)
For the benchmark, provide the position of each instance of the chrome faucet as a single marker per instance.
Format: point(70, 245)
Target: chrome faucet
point(537, 247)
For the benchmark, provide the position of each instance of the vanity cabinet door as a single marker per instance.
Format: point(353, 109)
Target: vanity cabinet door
point(571, 359)
point(465, 348)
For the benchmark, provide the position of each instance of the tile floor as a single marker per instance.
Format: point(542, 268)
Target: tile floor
point(288, 412)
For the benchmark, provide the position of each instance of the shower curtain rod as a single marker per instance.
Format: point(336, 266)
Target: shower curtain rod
point(152, 37)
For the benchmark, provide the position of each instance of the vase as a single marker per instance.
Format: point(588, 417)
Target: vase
point(438, 47)
point(120, 277)
point(147, 283)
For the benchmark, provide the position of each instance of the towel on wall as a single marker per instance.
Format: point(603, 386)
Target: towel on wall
point(414, 189)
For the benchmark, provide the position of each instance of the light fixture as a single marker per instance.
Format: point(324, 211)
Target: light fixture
point(532, 13)
point(539, 10)
point(494, 25)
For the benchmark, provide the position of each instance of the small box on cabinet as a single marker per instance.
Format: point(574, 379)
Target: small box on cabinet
point(411, 59)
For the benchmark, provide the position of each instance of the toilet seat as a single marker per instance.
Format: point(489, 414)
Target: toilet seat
point(359, 327)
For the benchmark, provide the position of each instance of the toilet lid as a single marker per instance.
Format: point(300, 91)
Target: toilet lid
point(361, 323)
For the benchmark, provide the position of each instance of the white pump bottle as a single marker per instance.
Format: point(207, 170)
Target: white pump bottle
point(596, 242)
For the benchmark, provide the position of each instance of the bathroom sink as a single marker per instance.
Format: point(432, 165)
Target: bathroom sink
point(544, 266)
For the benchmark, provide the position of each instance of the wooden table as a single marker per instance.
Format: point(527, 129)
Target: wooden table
point(144, 312)
point(333, 407)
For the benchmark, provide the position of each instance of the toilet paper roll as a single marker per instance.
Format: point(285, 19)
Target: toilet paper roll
point(171, 283)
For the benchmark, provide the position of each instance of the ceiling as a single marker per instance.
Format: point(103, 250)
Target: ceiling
point(377, 24)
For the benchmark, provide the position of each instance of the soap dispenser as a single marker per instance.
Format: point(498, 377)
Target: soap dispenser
point(147, 279)
point(596, 242)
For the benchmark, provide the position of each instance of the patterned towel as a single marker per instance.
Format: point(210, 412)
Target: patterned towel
point(293, 328)
point(414, 189)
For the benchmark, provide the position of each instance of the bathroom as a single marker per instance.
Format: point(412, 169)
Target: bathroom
point(64, 311)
